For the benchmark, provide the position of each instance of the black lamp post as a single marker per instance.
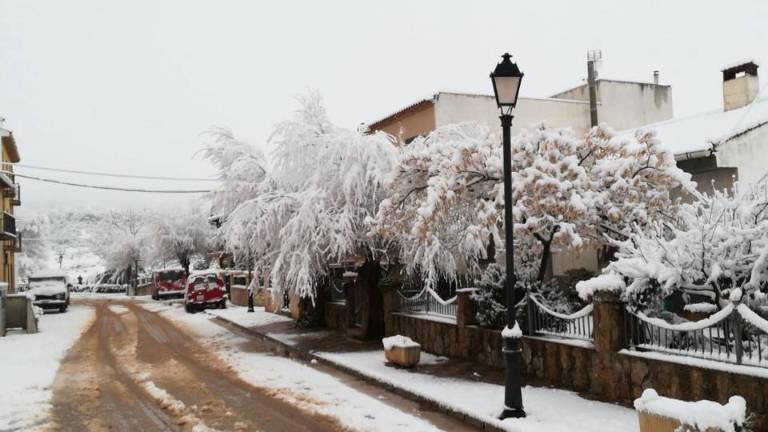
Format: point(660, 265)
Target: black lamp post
point(506, 80)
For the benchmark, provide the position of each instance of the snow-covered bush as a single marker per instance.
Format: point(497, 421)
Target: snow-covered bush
point(446, 202)
point(715, 245)
point(310, 209)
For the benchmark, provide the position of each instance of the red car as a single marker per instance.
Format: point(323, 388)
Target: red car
point(167, 283)
point(204, 289)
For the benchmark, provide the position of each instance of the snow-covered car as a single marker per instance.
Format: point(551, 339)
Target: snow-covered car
point(168, 283)
point(50, 289)
point(205, 289)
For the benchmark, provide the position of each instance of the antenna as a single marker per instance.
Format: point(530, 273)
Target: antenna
point(596, 58)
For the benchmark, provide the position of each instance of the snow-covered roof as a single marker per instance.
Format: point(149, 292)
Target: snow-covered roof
point(699, 132)
point(48, 274)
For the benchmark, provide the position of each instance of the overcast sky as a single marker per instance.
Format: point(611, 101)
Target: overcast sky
point(129, 86)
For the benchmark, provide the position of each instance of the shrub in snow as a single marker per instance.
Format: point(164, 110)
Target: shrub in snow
point(701, 415)
point(446, 203)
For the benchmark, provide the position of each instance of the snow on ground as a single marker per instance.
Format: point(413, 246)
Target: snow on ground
point(250, 319)
point(118, 309)
point(260, 318)
point(111, 296)
point(548, 409)
point(28, 365)
point(296, 383)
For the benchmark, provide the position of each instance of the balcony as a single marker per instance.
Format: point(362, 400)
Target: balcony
point(16, 195)
point(15, 245)
point(8, 230)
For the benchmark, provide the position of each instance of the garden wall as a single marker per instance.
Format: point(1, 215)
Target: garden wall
point(601, 369)
point(238, 295)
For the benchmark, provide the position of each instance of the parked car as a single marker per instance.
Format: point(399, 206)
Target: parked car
point(167, 284)
point(205, 289)
point(50, 289)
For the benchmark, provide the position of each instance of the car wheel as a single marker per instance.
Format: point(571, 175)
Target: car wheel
point(223, 304)
point(62, 309)
point(188, 308)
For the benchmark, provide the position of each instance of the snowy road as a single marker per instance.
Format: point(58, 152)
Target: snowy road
point(152, 367)
point(134, 370)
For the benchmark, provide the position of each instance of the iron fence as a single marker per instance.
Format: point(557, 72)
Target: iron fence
point(735, 334)
point(543, 321)
point(428, 301)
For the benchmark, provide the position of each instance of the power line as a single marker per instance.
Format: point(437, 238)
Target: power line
point(121, 189)
point(103, 174)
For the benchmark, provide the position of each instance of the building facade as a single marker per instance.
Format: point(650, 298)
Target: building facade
point(11, 198)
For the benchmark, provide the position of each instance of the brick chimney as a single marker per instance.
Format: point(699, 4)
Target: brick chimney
point(740, 85)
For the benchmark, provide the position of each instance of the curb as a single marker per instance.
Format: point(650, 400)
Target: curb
point(291, 351)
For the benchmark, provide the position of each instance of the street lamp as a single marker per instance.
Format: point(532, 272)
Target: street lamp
point(506, 80)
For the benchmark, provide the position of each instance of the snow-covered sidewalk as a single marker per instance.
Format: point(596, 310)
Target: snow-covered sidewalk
point(550, 410)
point(28, 365)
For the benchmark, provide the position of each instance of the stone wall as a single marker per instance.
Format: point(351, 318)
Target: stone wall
point(600, 369)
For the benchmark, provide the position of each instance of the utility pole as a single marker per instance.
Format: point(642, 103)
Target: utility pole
point(593, 59)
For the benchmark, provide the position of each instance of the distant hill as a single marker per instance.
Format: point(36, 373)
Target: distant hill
point(65, 234)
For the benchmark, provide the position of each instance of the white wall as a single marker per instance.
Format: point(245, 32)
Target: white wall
point(748, 153)
point(455, 108)
point(625, 105)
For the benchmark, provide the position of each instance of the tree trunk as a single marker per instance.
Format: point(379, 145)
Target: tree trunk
point(368, 280)
point(184, 261)
point(545, 255)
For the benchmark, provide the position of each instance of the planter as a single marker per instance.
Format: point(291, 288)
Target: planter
point(662, 414)
point(656, 423)
point(402, 351)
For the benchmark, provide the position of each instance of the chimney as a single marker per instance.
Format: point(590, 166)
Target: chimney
point(656, 77)
point(740, 85)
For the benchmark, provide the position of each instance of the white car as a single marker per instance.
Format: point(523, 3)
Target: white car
point(50, 290)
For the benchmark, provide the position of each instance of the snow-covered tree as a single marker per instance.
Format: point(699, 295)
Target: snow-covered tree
point(446, 203)
point(715, 245)
point(241, 167)
point(35, 252)
point(121, 239)
point(310, 210)
point(181, 234)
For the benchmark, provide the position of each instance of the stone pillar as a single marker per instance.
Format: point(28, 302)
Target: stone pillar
point(390, 302)
point(294, 305)
point(608, 322)
point(465, 315)
point(609, 372)
point(465, 312)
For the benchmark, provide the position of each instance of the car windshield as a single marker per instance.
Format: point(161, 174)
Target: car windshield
point(47, 283)
point(211, 279)
point(169, 276)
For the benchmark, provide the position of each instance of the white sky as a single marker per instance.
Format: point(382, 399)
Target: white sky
point(129, 86)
